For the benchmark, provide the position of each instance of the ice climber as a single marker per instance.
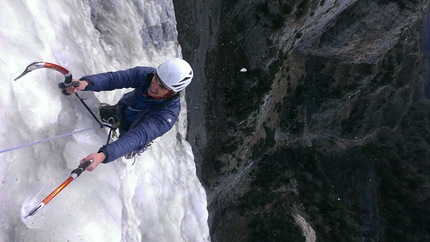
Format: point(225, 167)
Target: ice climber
point(142, 115)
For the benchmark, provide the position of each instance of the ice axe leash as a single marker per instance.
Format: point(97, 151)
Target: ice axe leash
point(68, 81)
point(75, 174)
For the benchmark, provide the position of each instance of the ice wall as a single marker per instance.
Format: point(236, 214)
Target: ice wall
point(159, 198)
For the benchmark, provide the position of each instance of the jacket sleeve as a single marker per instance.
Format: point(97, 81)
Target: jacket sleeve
point(117, 80)
point(149, 129)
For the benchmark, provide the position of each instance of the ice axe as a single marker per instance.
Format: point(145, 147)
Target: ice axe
point(75, 173)
point(68, 80)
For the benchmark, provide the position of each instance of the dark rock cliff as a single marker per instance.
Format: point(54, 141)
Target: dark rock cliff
point(325, 135)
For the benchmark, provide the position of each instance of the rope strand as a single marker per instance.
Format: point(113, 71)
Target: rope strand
point(45, 140)
point(67, 82)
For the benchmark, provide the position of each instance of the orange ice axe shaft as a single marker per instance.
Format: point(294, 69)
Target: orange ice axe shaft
point(75, 173)
point(68, 80)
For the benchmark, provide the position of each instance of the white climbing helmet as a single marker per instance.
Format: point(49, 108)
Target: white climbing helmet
point(175, 73)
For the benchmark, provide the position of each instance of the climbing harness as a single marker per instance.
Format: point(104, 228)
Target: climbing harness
point(132, 154)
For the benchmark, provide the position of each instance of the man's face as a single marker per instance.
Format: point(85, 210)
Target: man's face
point(156, 89)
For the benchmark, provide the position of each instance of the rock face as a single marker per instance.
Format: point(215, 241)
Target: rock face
point(316, 125)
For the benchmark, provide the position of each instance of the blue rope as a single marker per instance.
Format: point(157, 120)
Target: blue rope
point(45, 140)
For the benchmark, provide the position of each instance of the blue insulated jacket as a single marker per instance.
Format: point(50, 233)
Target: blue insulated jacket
point(150, 118)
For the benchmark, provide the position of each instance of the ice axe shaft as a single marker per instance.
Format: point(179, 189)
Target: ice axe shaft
point(68, 79)
point(75, 173)
point(41, 64)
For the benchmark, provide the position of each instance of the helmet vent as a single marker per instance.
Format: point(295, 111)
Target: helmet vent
point(186, 78)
